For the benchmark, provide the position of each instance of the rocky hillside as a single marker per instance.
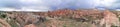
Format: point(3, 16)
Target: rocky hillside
point(61, 18)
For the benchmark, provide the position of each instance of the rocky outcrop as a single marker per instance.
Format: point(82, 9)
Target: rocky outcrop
point(26, 18)
point(4, 23)
point(109, 19)
point(30, 25)
point(95, 17)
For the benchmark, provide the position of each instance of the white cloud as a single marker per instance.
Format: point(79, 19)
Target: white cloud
point(31, 1)
point(47, 4)
point(117, 9)
point(7, 9)
point(108, 2)
point(36, 8)
point(31, 9)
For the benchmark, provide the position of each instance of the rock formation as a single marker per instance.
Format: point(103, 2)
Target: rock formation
point(109, 19)
point(4, 23)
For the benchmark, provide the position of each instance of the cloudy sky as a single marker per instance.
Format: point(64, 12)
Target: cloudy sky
point(45, 5)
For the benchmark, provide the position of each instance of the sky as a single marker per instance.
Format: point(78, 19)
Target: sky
point(47, 5)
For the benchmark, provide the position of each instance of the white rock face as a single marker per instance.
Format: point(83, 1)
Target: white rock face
point(109, 19)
